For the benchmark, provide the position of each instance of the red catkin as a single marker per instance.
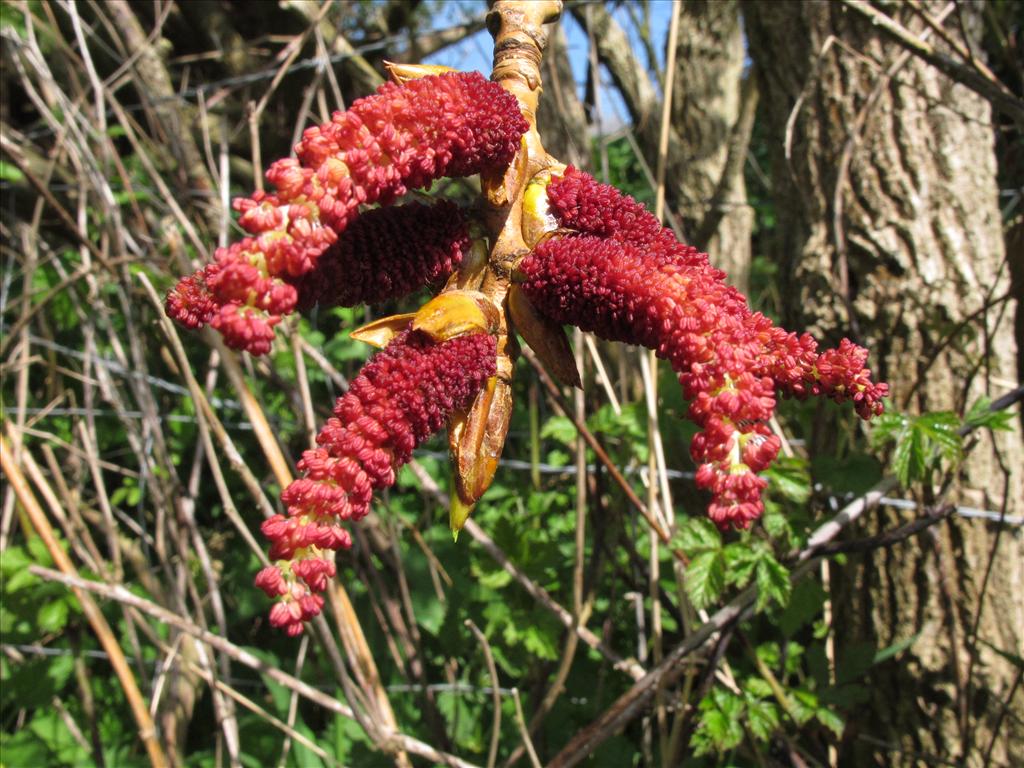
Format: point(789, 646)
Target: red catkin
point(403, 137)
point(406, 393)
point(627, 281)
point(387, 253)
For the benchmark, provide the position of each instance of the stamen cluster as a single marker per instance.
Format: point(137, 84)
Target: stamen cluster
point(628, 279)
point(401, 138)
point(385, 254)
point(401, 397)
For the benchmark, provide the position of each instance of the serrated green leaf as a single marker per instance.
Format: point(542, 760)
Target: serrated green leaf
point(791, 477)
point(52, 616)
point(980, 415)
point(720, 727)
point(559, 428)
point(762, 718)
point(888, 427)
point(940, 429)
point(740, 560)
point(758, 688)
point(697, 534)
point(773, 583)
point(803, 705)
point(775, 523)
point(705, 578)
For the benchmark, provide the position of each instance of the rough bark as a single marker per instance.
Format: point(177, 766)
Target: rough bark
point(888, 226)
point(705, 111)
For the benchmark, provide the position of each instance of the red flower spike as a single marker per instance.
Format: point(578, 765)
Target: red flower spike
point(580, 202)
point(401, 138)
point(730, 361)
point(387, 253)
point(406, 393)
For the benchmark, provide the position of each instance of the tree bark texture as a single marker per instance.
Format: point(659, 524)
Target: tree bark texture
point(706, 102)
point(889, 231)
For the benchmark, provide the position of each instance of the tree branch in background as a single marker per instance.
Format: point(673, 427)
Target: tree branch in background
point(981, 81)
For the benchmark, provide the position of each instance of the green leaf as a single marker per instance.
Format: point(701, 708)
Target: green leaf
point(922, 443)
point(855, 473)
point(758, 688)
point(721, 723)
point(697, 534)
point(741, 559)
point(804, 605)
point(559, 428)
point(803, 705)
point(705, 578)
point(941, 430)
point(980, 415)
point(830, 720)
point(52, 616)
point(762, 718)
point(854, 660)
point(888, 428)
point(895, 649)
point(9, 172)
point(772, 581)
point(791, 477)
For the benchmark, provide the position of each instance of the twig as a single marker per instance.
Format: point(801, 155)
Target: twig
point(521, 722)
point(147, 730)
point(888, 538)
point(492, 670)
point(293, 702)
point(1002, 716)
point(393, 741)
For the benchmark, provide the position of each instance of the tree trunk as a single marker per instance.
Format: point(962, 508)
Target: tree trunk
point(706, 106)
point(889, 231)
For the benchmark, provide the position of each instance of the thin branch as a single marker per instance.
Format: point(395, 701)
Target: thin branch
point(147, 729)
point(393, 741)
point(492, 670)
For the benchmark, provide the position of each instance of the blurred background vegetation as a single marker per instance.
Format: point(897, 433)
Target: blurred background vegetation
point(844, 181)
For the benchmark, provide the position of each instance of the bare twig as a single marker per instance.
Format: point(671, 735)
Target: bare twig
point(393, 741)
point(492, 670)
point(147, 730)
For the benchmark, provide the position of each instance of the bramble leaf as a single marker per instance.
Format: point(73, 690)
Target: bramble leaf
point(772, 580)
point(705, 578)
